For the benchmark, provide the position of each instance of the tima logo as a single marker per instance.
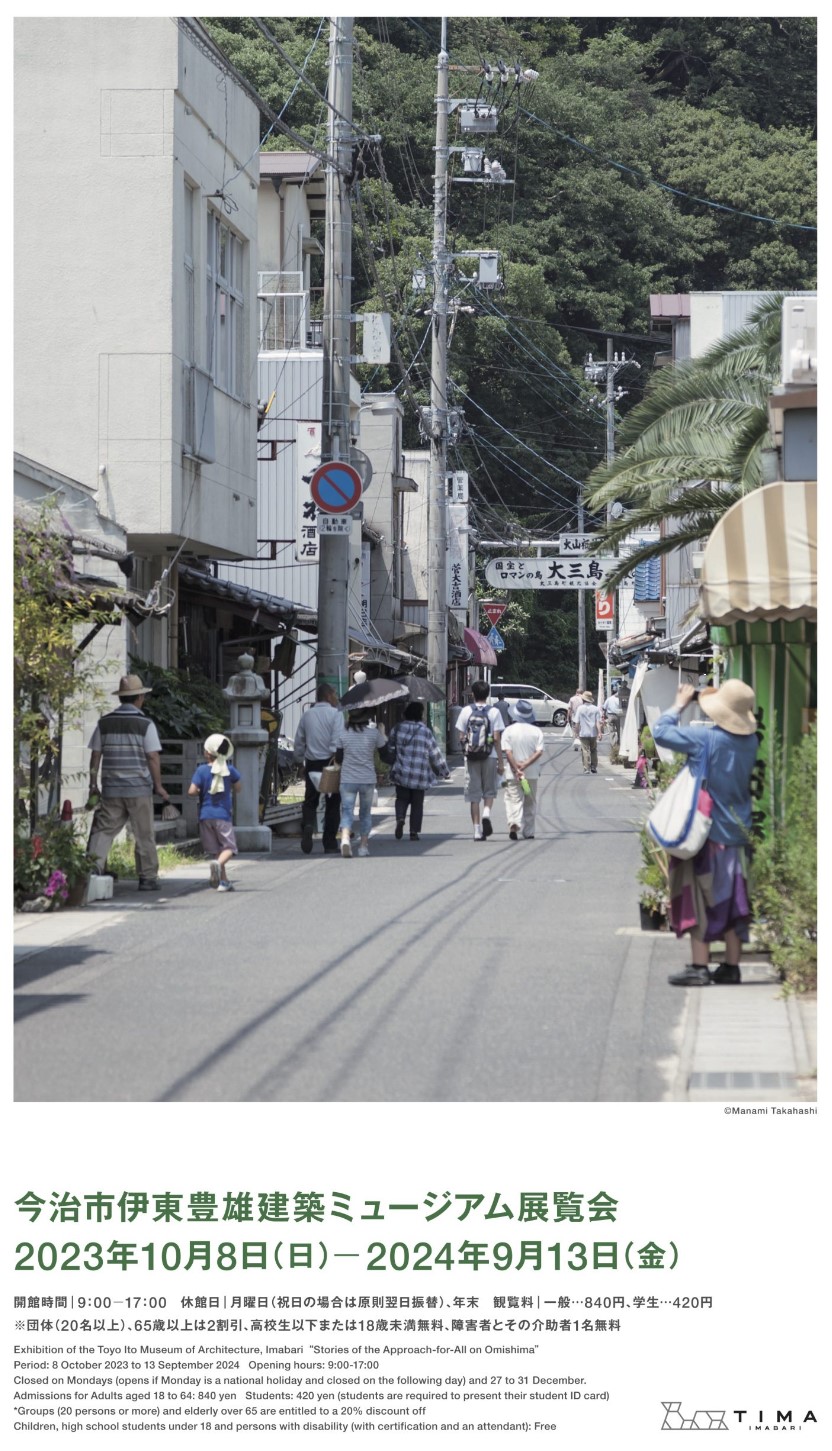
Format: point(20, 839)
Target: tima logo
point(699, 1421)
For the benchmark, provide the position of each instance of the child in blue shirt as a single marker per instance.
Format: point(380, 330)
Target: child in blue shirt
point(214, 783)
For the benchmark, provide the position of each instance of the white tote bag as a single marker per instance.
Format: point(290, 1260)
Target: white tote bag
point(681, 818)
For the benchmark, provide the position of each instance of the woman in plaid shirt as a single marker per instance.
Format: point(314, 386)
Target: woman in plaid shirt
point(418, 761)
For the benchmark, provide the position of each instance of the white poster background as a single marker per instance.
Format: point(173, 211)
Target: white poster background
point(741, 1198)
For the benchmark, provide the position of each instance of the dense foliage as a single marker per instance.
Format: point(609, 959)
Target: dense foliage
point(183, 706)
point(53, 683)
point(652, 155)
point(784, 873)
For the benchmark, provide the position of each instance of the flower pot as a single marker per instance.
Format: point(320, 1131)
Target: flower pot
point(76, 895)
point(652, 920)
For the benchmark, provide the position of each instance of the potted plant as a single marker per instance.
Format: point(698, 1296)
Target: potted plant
point(51, 866)
point(654, 894)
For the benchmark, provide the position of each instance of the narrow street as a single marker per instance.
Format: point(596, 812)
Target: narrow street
point(446, 969)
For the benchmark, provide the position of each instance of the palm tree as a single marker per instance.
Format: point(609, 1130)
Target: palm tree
point(695, 444)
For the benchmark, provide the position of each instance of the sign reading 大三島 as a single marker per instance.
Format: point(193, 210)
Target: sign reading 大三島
point(551, 572)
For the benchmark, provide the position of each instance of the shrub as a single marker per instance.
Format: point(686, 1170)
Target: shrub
point(784, 874)
point(184, 706)
point(50, 861)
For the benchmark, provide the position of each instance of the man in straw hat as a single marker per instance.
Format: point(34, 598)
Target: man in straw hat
point(125, 745)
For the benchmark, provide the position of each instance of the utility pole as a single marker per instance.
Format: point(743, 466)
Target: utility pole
point(609, 370)
point(334, 555)
point(437, 501)
point(581, 604)
point(610, 455)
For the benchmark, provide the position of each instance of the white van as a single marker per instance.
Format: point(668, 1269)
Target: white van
point(547, 709)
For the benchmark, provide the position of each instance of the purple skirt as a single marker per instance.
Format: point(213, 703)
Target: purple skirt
point(709, 893)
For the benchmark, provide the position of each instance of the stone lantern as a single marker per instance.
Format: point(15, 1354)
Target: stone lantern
point(245, 690)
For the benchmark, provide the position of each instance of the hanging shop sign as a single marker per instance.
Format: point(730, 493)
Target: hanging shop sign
point(604, 610)
point(551, 572)
point(307, 457)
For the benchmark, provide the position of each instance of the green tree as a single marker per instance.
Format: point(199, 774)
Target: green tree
point(695, 444)
point(53, 684)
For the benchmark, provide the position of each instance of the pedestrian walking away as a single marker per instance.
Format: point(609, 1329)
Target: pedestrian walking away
point(523, 750)
point(588, 720)
point(572, 706)
point(612, 717)
point(418, 762)
point(501, 704)
point(215, 783)
point(480, 728)
point(318, 737)
point(357, 755)
point(125, 745)
point(709, 892)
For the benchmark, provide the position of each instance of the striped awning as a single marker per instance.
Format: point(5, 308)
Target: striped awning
point(760, 562)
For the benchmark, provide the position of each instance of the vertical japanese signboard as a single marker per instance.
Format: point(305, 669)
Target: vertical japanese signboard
point(604, 610)
point(307, 544)
point(457, 597)
point(365, 586)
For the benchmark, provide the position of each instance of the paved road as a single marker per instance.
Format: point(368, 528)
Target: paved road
point(441, 970)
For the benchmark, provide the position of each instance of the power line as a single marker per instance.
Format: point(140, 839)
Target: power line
point(664, 186)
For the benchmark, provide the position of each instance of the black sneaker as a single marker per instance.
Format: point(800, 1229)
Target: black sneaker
point(306, 840)
point(691, 976)
point(400, 830)
point(149, 884)
point(727, 972)
point(414, 836)
point(512, 833)
point(487, 828)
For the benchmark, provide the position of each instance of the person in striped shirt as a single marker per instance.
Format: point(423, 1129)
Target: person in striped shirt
point(125, 745)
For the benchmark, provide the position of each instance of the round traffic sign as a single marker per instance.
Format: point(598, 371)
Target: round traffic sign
point(336, 487)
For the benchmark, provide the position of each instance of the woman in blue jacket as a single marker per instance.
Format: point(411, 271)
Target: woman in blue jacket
point(709, 892)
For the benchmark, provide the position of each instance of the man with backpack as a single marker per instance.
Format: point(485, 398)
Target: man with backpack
point(480, 727)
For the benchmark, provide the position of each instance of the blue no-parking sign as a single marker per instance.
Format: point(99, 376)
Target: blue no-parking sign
point(336, 487)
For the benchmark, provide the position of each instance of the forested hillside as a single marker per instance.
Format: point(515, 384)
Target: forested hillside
point(650, 155)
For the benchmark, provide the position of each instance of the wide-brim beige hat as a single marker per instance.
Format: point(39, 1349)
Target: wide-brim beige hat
point(132, 685)
point(732, 707)
point(588, 696)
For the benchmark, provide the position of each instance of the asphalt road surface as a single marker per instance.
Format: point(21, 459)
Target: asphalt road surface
point(445, 969)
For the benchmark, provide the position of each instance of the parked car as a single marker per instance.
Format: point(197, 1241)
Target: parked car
point(547, 710)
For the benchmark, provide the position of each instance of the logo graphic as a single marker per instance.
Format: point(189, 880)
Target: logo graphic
point(699, 1421)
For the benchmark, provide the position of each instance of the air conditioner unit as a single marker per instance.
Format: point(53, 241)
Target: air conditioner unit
point(800, 340)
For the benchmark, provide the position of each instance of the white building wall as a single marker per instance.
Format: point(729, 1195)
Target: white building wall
point(111, 115)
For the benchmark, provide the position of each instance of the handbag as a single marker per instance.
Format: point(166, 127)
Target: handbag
point(330, 779)
point(387, 752)
point(681, 818)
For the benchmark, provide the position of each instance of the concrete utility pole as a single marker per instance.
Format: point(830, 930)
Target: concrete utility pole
point(594, 372)
point(437, 502)
point(581, 604)
point(610, 455)
point(333, 567)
